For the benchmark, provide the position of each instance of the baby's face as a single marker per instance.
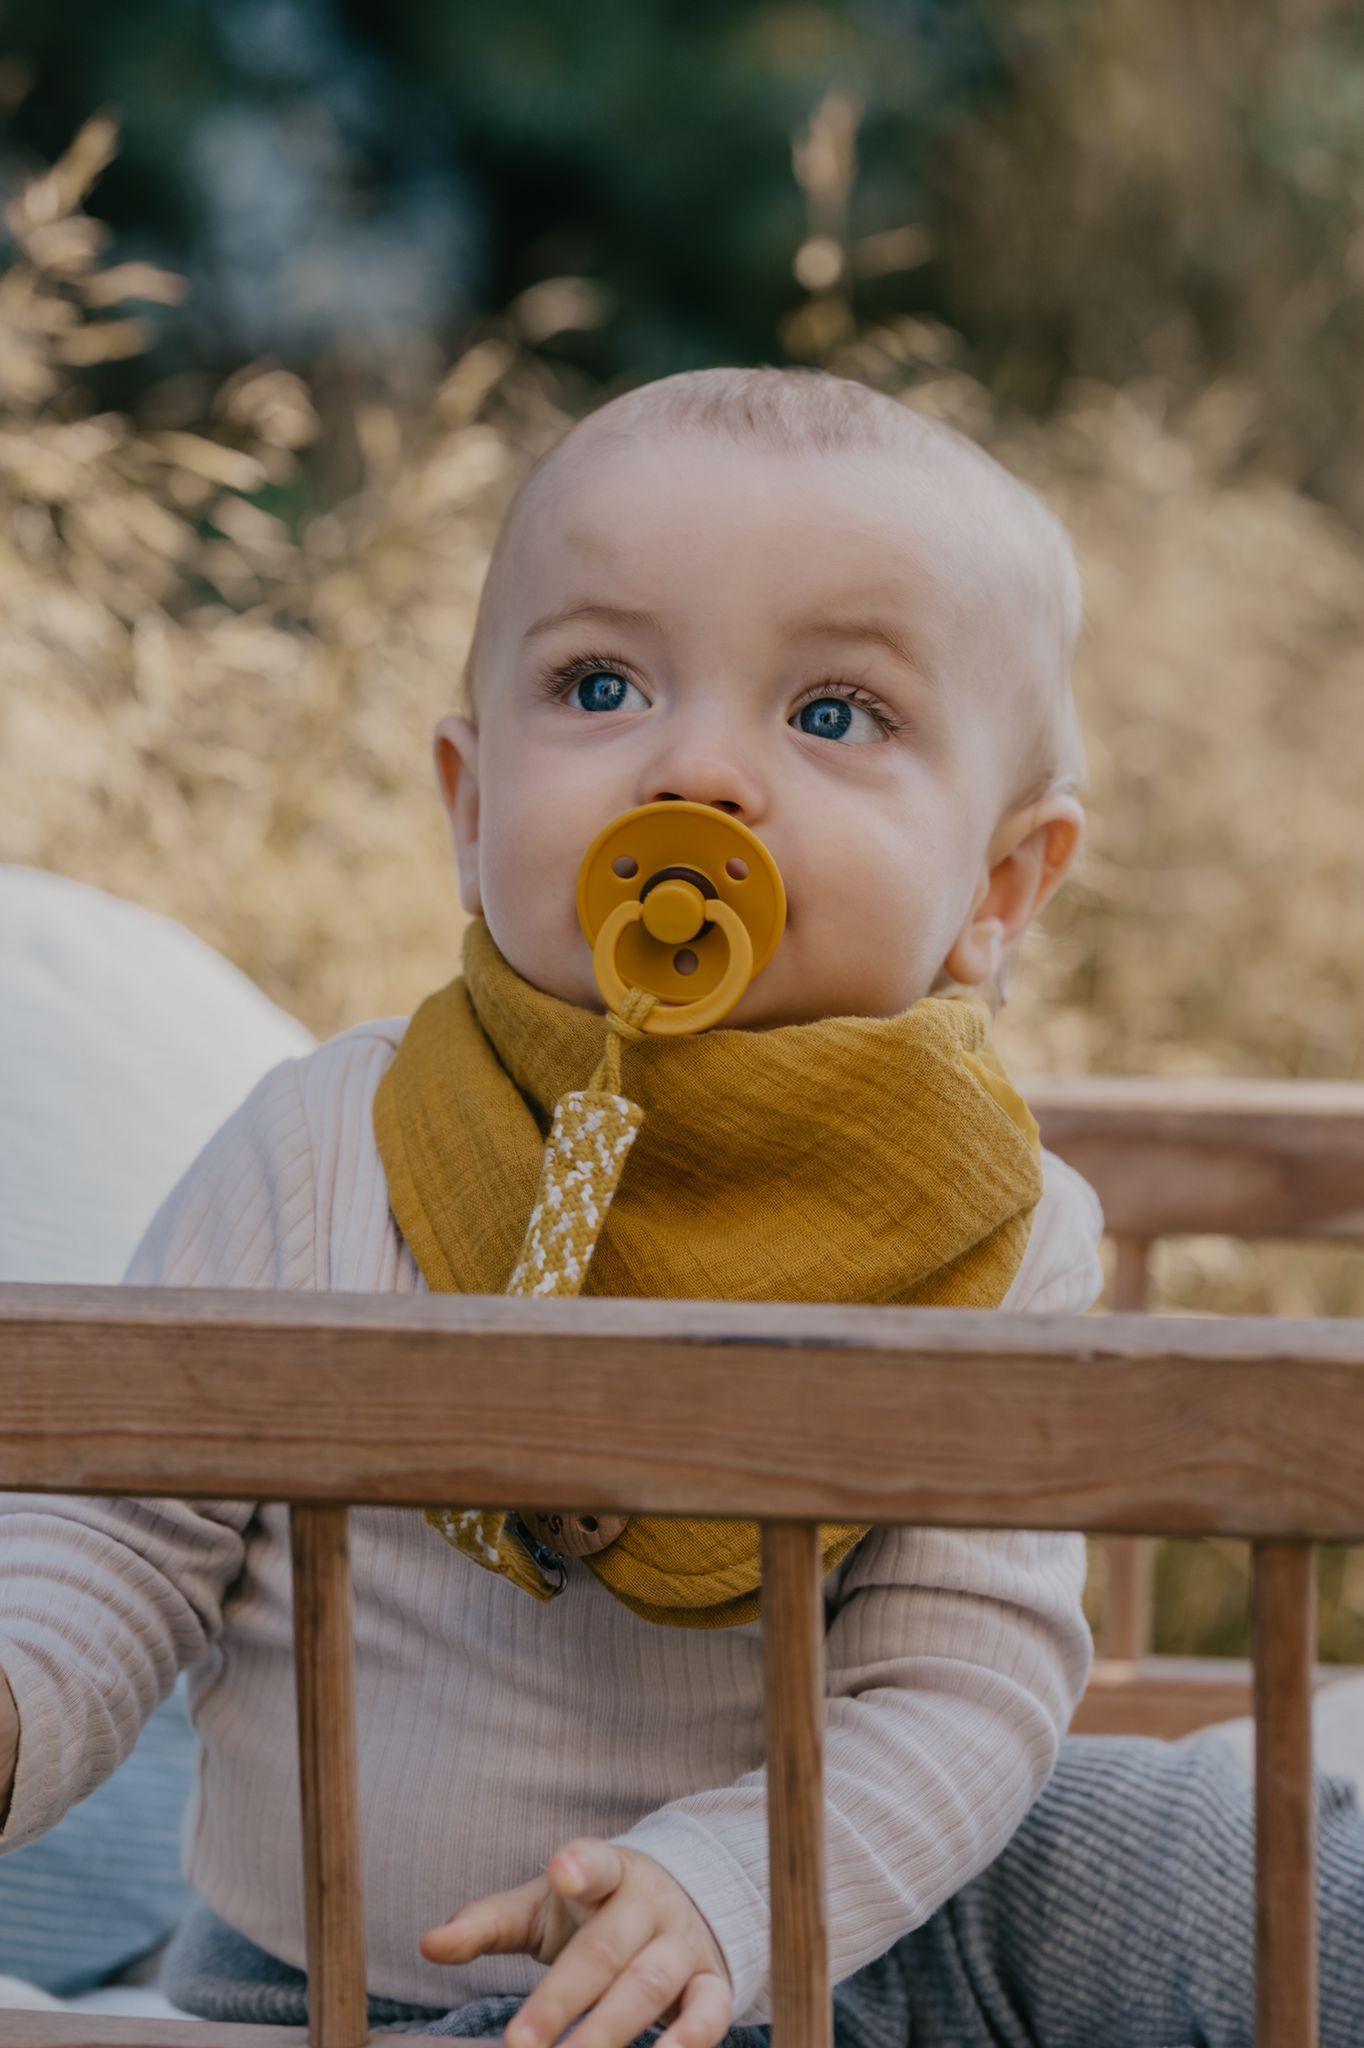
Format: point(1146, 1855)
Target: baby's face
point(801, 641)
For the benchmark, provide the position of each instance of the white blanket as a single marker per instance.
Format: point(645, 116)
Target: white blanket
point(124, 1042)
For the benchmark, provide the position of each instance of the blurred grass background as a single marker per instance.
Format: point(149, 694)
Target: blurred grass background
point(1123, 247)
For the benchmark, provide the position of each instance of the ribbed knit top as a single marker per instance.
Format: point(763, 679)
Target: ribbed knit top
point(493, 1728)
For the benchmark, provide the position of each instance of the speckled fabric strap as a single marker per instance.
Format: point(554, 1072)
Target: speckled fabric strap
point(585, 1154)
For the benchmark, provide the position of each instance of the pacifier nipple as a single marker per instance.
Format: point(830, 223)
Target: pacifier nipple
point(673, 911)
point(684, 902)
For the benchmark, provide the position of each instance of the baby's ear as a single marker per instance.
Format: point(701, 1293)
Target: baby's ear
point(454, 745)
point(1030, 856)
point(1047, 844)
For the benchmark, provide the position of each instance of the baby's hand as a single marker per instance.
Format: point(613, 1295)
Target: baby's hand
point(628, 1942)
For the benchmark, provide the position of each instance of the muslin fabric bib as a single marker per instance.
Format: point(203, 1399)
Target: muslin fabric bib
point(858, 1159)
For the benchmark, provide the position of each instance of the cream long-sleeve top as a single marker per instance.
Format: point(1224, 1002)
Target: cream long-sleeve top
point(493, 1727)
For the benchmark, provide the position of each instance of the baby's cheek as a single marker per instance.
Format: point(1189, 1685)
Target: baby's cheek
point(530, 903)
point(872, 959)
point(891, 932)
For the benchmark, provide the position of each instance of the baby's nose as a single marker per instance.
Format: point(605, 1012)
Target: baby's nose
point(707, 775)
point(710, 758)
point(717, 803)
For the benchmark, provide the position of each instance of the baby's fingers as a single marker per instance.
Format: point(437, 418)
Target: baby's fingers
point(505, 1923)
point(598, 1954)
point(657, 1982)
point(703, 2022)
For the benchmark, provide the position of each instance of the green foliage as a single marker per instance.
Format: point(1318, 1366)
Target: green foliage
point(645, 145)
point(1138, 191)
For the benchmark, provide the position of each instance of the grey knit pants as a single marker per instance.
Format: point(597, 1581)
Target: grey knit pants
point(1119, 1916)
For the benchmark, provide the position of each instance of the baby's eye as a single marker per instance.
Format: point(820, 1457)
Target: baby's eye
point(838, 717)
point(603, 689)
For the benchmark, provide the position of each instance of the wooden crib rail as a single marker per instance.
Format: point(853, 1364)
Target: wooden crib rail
point(1246, 1426)
point(1239, 1426)
point(1215, 1426)
point(1228, 1157)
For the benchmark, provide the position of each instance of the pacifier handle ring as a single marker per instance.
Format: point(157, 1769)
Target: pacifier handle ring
point(671, 1020)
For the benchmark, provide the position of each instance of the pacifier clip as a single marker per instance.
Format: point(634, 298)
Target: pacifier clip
point(683, 907)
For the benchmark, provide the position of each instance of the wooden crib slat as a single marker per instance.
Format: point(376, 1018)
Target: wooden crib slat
point(324, 1654)
point(1129, 1598)
point(1129, 1561)
point(1285, 1810)
point(793, 1681)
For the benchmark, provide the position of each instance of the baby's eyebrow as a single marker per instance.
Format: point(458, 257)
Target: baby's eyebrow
point(818, 626)
point(616, 614)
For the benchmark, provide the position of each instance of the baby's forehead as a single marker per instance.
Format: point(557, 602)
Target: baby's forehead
point(942, 509)
point(924, 532)
point(1004, 609)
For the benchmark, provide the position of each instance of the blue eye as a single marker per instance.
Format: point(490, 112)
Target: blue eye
point(833, 716)
point(602, 689)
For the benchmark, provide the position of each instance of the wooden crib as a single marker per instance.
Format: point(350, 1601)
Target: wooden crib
point(1245, 1159)
point(1130, 1425)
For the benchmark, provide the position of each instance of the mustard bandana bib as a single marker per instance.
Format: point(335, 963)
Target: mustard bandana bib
point(858, 1159)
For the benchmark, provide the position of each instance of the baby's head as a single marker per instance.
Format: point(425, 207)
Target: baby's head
point(792, 597)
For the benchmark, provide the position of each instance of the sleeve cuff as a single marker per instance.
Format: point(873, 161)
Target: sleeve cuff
point(723, 1892)
point(34, 1804)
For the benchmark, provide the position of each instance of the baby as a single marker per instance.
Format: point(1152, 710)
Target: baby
point(786, 596)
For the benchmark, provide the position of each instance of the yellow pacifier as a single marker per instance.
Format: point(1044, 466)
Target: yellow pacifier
point(681, 900)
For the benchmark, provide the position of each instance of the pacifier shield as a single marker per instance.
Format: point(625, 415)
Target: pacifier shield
point(693, 854)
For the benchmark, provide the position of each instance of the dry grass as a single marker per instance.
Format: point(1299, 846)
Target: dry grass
point(227, 718)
